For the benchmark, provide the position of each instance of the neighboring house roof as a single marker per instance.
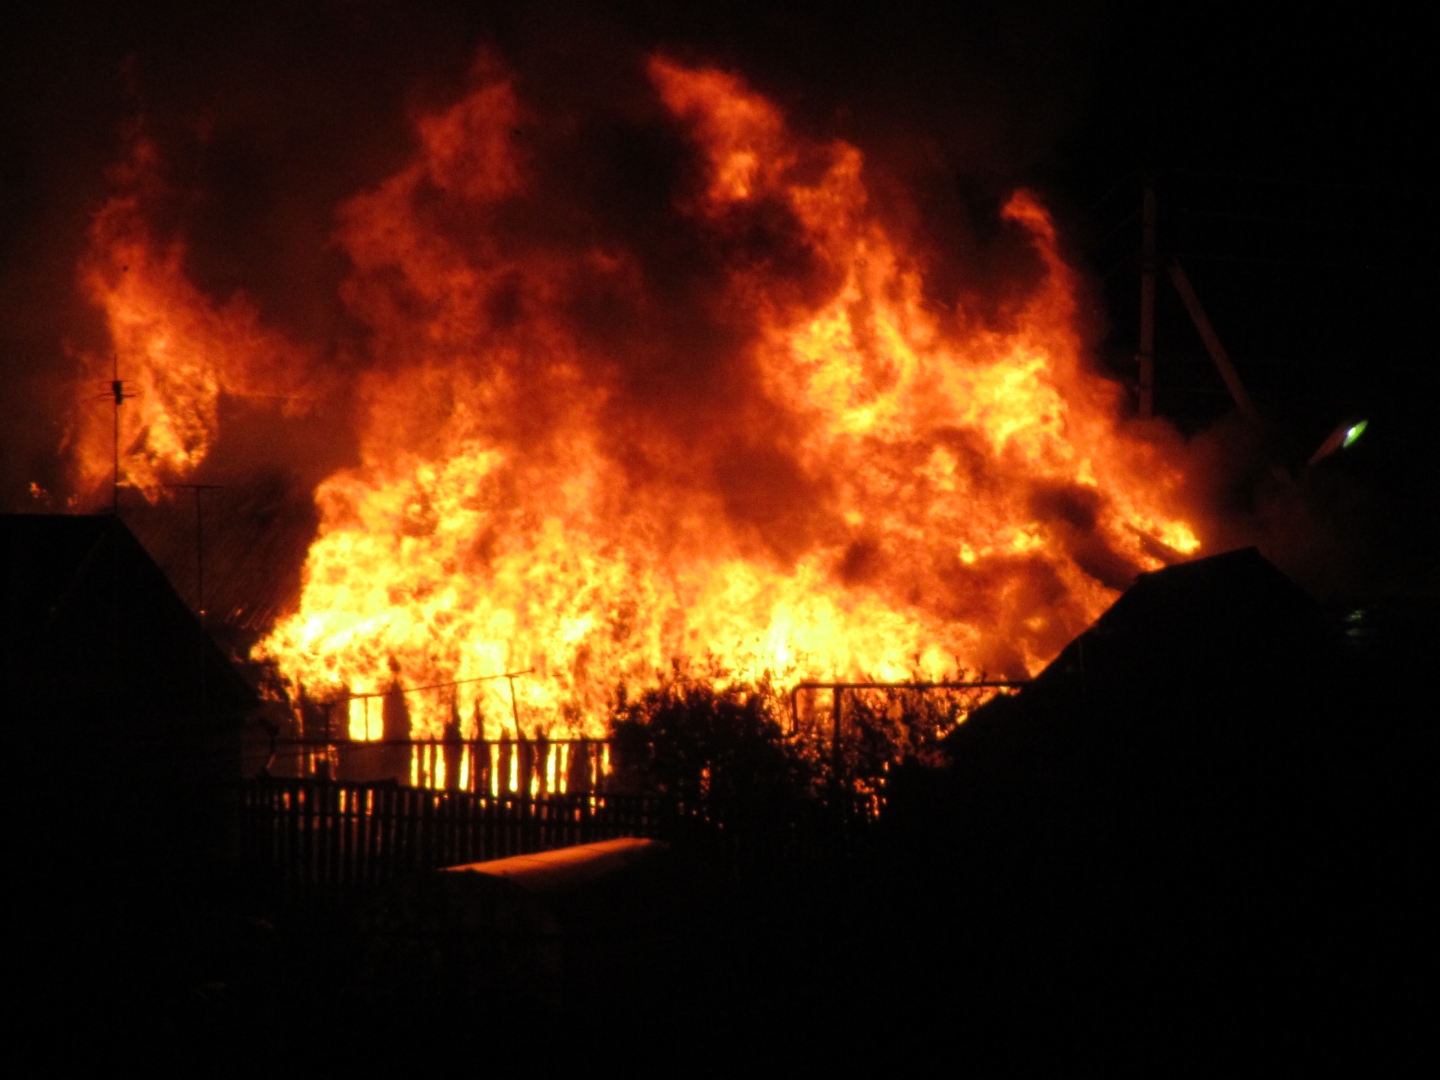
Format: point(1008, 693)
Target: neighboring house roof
point(1209, 684)
point(1220, 619)
point(90, 628)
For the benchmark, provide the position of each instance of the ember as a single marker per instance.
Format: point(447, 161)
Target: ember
point(763, 453)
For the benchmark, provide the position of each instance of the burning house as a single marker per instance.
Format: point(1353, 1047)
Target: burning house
point(536, 373)
point(750, 438)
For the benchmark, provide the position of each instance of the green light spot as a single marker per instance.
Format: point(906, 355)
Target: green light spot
point(1355, 433)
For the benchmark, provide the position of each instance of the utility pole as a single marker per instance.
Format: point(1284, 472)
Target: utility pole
point(199, 489)
point(1148, 266)
point(1212, 342)
point(204, 658)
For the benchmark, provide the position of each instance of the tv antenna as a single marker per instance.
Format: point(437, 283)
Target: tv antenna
point(117, 394)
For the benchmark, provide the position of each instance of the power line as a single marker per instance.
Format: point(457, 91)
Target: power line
point(417, 689)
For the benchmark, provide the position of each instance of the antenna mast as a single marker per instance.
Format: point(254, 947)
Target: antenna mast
point(117, 392)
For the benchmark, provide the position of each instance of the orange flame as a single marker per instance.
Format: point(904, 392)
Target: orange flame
point(175, 350)
point(855, 488)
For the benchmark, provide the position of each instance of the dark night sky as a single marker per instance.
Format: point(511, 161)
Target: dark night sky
point(1287, 149)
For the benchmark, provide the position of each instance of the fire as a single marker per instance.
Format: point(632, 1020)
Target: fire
point(174, 349)
point(582, 462)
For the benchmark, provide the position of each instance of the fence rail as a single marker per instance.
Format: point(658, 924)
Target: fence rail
point(327, 833)
point(539, 767)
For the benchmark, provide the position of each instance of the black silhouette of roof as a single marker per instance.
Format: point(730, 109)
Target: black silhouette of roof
point(92, 628)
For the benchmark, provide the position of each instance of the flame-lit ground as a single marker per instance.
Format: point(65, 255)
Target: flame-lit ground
point(734, 435)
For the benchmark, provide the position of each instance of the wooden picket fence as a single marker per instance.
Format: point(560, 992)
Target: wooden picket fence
point(335, 834)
